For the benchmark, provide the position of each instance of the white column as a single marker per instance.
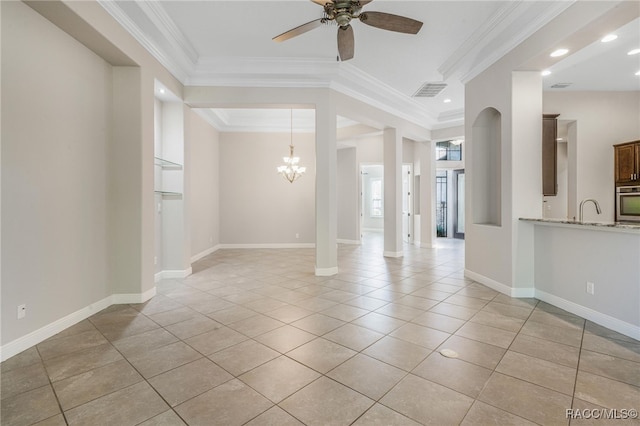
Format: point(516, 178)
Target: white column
point(326, 191)
point(392, 193)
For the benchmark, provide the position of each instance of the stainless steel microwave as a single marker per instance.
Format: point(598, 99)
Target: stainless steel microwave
point(628, 203)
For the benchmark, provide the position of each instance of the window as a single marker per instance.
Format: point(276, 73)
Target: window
point(376, 197)
point(449, 150)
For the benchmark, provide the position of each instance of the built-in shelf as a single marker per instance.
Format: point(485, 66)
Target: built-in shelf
point(168, 193)
point(166, 164)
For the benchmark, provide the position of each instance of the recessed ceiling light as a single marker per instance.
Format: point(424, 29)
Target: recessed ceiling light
point(559, 52)
point(161, 90)
point(633, 52)
point(608, 38)
point(638, 73)
point(446, 101)
point(545, 73)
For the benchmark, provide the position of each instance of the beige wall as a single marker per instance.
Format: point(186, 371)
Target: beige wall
point(258, 206)
point(602, 120)
point(205, 195)
point(77, 167)
point(55, 166)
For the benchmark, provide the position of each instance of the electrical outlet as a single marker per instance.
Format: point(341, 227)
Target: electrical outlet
point(22, 311)
point(590, 287)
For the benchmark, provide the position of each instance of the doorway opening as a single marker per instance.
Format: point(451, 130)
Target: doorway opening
point(450, 188)
point(441, 204)
point(372, 198)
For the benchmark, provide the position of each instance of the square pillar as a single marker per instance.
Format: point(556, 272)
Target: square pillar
point(326, 191)
point(392, 143)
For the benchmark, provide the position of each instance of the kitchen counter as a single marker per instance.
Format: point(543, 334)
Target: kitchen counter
point(591, 269)
point(631, 227)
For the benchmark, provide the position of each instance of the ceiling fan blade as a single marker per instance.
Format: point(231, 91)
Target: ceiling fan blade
point(323, 2)
point(387, 21)
point(345, 42)
point(365, 2)
point(298, 30)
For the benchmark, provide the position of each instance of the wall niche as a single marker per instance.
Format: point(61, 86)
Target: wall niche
point(487, 168)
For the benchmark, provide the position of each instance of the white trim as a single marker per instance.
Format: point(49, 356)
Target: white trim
point(342, 241)
point(506, 29)
point(31, 339)
point(528, 292)
point(326, 272)
point(498, 286)
point(171, 273)
point(125, 298)
point(424, 245)
point(267, 245)
point(599, 318)
point(177, 273)
point(204, 253)
point(604, 320)
point(393, 253)
point(181, 71)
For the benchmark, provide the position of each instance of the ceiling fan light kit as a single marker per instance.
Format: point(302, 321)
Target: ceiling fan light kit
point(342, 12)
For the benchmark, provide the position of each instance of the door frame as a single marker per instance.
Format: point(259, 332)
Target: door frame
point(456, 234)
point(407, 173)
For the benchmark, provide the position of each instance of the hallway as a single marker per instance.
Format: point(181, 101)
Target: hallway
point(253, 337)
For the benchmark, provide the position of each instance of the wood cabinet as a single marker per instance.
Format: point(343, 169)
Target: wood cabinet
point(627, 163)
point(550, 154)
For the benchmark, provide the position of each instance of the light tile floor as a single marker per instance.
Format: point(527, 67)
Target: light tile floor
point(253, 337)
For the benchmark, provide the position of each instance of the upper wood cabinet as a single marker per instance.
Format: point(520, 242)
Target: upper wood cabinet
point(627, 163)
point(550, 154)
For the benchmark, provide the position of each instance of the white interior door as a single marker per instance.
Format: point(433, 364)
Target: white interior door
point(407, 210)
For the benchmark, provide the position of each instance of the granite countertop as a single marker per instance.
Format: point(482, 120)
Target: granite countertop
point(601, 225)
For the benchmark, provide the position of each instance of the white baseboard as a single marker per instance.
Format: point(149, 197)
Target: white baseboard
point(498, 286)
point(119, 299)
point(599, 318)
point(341, 241)
point(393, 253)
point(326, 272)
point(267, 246)
point(25, 342)
point(168, 274)
point(204, 253)
point(424, 245)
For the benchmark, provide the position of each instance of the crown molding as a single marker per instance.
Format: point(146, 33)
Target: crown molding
point(179, 71)
point(263, 72)
point(507, 28)
point(310, 73)
point(170, 31)
point(211, 117)
point(449, 119)
point(174, 51)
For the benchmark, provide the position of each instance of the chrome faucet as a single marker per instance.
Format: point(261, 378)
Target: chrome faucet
point(594, 202)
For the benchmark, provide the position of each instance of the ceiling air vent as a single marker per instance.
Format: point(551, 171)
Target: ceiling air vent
point(560, 85)
point(429, 90)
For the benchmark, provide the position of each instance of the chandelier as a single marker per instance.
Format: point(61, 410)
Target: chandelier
point(291, 171)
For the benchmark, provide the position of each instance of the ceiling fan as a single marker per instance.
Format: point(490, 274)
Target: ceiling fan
point(342, 12)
